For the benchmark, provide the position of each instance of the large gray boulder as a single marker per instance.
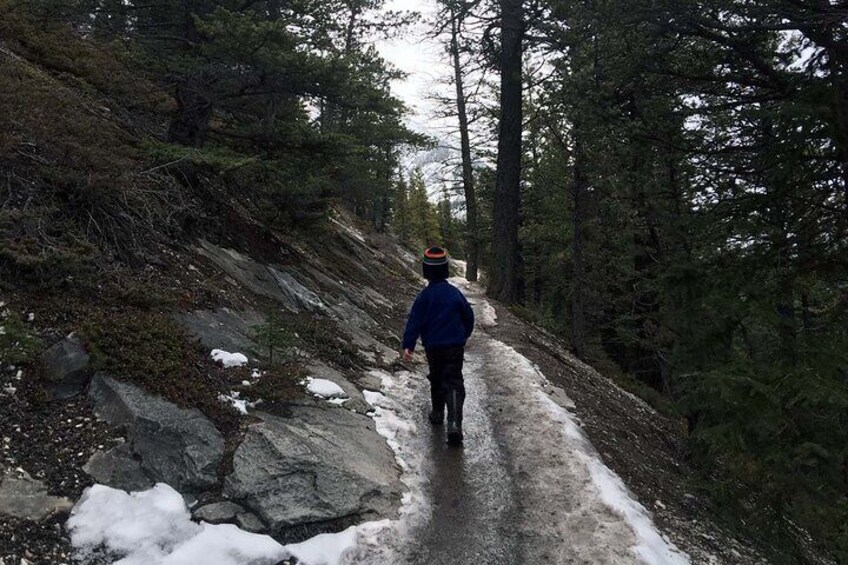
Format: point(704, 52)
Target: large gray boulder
point(24, 497)
point(317, 466)
point(118, 468)
point(173, 445)
point(65, 366)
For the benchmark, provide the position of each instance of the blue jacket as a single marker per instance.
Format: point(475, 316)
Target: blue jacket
point(441, 316)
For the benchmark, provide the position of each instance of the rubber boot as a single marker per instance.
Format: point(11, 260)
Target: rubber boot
point(437, 414)
point(454, 431)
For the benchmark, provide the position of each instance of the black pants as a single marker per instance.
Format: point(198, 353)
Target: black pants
point(446, 375)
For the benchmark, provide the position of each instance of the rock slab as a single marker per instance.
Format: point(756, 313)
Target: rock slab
point(250, 523)
point(218, 512)
point(174, 445)
point(66, 368)
point(24, 497)
point(263, 279)
point(224, 328)
point(319, 465)
point(118, 468)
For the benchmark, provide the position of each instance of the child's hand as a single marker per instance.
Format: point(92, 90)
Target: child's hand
point(407, 355)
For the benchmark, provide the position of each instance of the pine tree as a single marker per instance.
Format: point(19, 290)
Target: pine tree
point(401, 218)
point(275, 337)
point(423, 220)
point(450, 228)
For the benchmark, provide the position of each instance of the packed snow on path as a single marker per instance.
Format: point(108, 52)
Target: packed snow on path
point(602, 514)
point(397, 419)
point(488, 317)
point(228, 359)
point(571, 492)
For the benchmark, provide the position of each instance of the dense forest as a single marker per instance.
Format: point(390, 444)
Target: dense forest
point(662, 183)
point(666, 185)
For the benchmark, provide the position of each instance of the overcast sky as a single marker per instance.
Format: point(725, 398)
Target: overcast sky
point(428, 69)
point(425, 62)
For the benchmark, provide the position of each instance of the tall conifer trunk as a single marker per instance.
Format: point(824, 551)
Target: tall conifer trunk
point(579, 184)
point(471, 235)
point(506, 283)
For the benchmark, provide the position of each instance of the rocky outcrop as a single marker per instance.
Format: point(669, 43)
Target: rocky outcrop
point(224, 328)
point(65, 367)
point(317, 466)
point(250, 523)
point(118, 468)
point(174, 445)
point(263, 279)
point(218, 512)
point(24, 497)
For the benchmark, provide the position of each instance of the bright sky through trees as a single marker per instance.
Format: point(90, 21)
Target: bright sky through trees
point(422, 58)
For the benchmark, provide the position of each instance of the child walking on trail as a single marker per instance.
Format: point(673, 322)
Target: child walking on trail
point(443, 319)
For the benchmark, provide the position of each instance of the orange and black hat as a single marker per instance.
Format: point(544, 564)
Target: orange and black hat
point(435, 256)
point(435, 264)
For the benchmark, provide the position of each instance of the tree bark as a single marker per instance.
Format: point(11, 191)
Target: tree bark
point(506, 278)
point(471, 235)
point(190, 123)
point(579, 185)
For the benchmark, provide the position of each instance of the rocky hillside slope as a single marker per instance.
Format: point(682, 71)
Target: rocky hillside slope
point(289, 462)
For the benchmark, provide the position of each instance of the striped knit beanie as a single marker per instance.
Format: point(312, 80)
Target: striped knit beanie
point(435, 264)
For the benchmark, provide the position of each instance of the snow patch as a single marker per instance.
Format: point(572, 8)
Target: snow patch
point(154, 527)
point(488, 317)
point(373, 398)
point(325, 549)
point(653, 547)
point(324, 388)
point(338, 401)
point(228, 359)
point(238, 403)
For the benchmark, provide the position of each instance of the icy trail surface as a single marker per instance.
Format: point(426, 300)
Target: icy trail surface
point(528, 487)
